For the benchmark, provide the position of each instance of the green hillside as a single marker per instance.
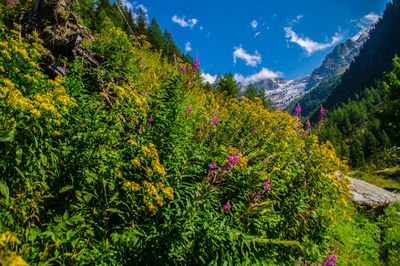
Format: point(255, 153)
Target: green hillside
point(114, 152)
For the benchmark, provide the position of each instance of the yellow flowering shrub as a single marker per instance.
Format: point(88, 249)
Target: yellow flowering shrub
point(8, 256)
point(23, 86)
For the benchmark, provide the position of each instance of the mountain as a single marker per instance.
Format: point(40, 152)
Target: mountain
point(375, 57)
point(282, 92)
point(362, 112)
point(337, 61)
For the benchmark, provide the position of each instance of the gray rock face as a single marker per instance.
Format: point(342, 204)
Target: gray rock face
point(370, 195)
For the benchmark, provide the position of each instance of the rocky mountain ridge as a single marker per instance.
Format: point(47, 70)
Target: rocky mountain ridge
point(281, 92)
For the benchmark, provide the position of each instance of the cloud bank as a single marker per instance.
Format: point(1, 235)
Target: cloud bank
point(251, 60)
point(263, 74)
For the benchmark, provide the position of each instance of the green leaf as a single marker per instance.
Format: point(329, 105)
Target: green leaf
point(9, 137)
point(4, 190)
point(66, 188)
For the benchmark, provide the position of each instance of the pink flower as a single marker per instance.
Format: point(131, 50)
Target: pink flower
point(215, 121)
point(149, 121)
point(266, 186)
point(143, 66)
point(305, 182)
point(183, 69)
point(322, 110)
point(254, 132)
point(141, 129)
point(196, 63)
point(227, 206)
point(297, 110)
point(189, 110)
point(308, 123)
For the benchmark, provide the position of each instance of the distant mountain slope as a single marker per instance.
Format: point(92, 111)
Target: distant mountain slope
point(282, 92)
point(362, 118)
point(310, 102)
point(326, 77)
point(375, 57)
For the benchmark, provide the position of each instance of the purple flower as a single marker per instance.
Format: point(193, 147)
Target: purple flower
point(149, 121)
point(213, 166)
point(322, 111)
point(254, 132)
point(227, 206)
point(308, 123)
point(215, 120)
point(189, 110)
point(143, 66)
point(297, 110)
point(329, 261)
point(266, 186)
point(141, 130)
point(196, 63)
point(183, 69)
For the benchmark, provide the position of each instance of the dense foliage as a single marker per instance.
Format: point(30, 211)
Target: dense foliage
point(137, 162)
point(364, 128)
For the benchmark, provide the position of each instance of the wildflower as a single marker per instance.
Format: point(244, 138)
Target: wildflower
point(141, 129)
point(305, 182)
point(183, 69)
point(329, 260)
point(215, 121)
point(227, 206)
point(143, 66)
point(266, 186)
point(196, 63)
point(297, 110)
point(213, 166)
point(322, 110)
point(254, 132)
point(189, 110)
point(149, 121)
point(308, 124)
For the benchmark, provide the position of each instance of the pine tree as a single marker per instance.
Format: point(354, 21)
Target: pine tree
point(227, 84)
point(159, 41)
point(251, 92)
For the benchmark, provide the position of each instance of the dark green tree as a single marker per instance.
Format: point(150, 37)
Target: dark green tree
point(251, 92)
point(227, 84)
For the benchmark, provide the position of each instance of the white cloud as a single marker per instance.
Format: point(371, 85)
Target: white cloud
point(365, 23)
point(263, 74)
point(209, 78)
point(140, 6)
point(251, 60)
point(254, 24)
point(188, 48)
point(296, 20)
point(191, 22)
point(127, 4)
point(201, 27)
point(309, 45)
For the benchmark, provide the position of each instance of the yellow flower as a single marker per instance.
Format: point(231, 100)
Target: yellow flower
point(135, 162)
point(132, 186)
point(132, 142)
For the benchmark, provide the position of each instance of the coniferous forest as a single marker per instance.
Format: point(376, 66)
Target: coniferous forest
point(114, 151)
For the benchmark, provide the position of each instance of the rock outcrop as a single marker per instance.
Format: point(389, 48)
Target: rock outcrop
point(365, 194)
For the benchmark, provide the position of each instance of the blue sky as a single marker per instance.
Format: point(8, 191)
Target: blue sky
point(257, 39)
